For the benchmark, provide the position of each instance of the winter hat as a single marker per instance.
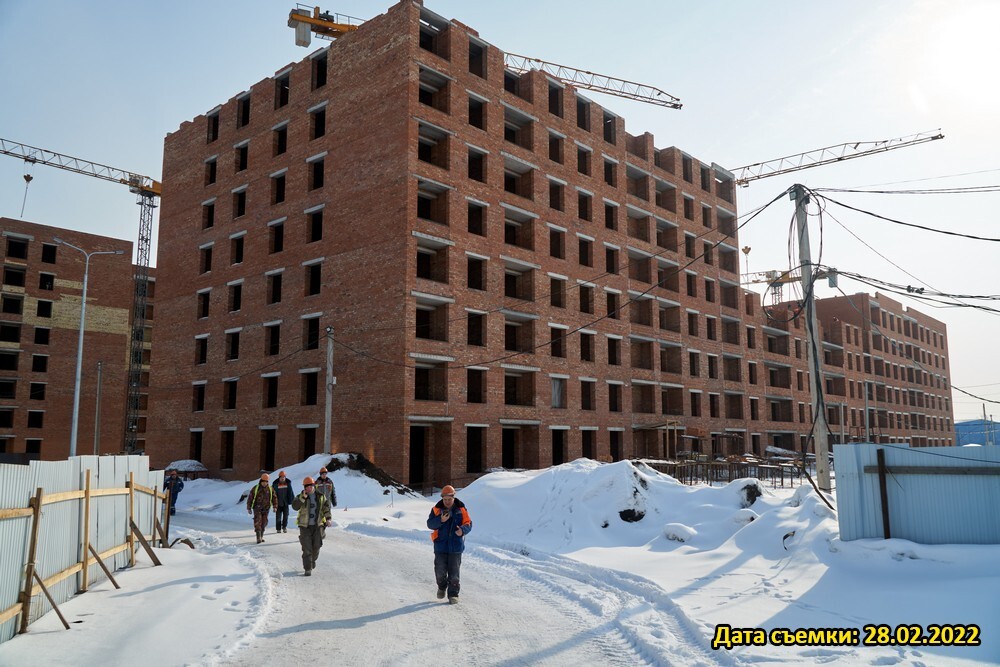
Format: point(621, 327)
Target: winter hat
point(448, 490)
point(265, 478)
point(281, 474)
point(308, 481)
point(323, 470)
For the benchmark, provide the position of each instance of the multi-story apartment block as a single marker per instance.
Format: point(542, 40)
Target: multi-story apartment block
point(39, 328)
point(891, 361)
point(511, 279)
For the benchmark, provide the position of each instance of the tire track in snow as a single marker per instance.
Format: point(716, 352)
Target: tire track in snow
point(637, 622)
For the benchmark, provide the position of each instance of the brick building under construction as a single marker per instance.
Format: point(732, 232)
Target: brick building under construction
point(511, 279)
point(40, 296)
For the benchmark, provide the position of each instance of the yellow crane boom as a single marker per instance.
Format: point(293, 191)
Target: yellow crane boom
point(332, 26)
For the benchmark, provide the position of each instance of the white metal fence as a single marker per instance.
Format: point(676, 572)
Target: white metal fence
point(62, 559)
point(931, 495)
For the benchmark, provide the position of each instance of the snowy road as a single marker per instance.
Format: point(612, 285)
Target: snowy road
point(371, 602)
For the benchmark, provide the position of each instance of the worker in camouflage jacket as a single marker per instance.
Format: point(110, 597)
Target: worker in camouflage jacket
point(260, 501)
point(313, 519)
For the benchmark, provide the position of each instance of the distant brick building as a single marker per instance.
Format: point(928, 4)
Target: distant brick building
point(39, 327)
point(899, 357)
point(511, 278)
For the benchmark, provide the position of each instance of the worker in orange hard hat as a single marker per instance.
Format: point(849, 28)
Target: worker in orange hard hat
point(325, 486)
point(284, 494)
point(259, 503)
point(449, 519)
point(313, 519)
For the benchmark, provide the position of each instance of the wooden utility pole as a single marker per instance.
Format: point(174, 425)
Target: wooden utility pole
point(814, 354)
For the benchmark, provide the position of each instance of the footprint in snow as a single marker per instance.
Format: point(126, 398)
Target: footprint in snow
point(220, 591)
point(195, 585)
point(209, 597)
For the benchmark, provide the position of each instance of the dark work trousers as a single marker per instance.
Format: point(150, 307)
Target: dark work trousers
point(311, 539)
point(281, 516)
point(446, 570)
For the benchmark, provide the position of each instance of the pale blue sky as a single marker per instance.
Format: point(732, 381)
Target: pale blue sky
point(107, 80)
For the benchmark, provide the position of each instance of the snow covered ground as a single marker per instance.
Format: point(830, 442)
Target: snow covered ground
point(559, 570)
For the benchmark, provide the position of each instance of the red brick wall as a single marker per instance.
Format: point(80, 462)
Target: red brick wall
point(109, 301)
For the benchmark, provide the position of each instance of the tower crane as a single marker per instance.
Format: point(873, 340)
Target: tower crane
point(147, 191)
point(331, 26)
point(776, 280)
point(828, 155)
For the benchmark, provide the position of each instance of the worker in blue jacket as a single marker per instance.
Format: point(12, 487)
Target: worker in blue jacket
point(175, 485)
point(449, 519)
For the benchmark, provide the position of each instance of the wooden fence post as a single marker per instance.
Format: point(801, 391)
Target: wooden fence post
point(883, 492)
point(166, 514)
point(29, 575)
point(85, 580)
point(131, 518)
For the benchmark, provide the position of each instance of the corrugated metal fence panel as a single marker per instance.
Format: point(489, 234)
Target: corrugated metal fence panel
point(58, 532)
point(925, 508)
point(93, 463)
point(60, 535)
point(15, 490)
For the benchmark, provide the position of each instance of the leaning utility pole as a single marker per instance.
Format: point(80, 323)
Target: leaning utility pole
point(814, 356)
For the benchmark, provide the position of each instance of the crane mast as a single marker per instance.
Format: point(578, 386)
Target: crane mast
point(147, 191)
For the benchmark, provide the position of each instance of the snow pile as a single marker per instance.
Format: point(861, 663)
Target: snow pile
point(357, 488)
point(587, 504)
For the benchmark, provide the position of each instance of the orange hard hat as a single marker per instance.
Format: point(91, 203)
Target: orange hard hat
point(281, 474)
point(265, 478)
point(448, 490)
point(323, 470)
point(307, 481)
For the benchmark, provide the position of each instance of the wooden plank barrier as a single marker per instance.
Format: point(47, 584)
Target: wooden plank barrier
point(35, 585)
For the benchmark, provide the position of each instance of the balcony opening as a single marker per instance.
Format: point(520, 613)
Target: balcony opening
point(432, 146)
point(670, 359)
point(434, 34)
point(430, 382)
point(518, 230)
point(518, 128)
point(519, 388)
point(433, 89)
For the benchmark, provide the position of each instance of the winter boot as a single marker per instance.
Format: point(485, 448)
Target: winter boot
point(309, 573)
point(441, 593)
point(284, 530)
point(259, 539)
point(453, 599)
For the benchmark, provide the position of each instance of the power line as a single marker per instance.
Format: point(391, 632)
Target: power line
point(930, 178)
point(911, 224)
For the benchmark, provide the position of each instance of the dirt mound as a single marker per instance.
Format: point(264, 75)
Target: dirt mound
point(360, 463)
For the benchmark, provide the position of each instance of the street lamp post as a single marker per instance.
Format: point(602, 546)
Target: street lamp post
point(79, 344)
